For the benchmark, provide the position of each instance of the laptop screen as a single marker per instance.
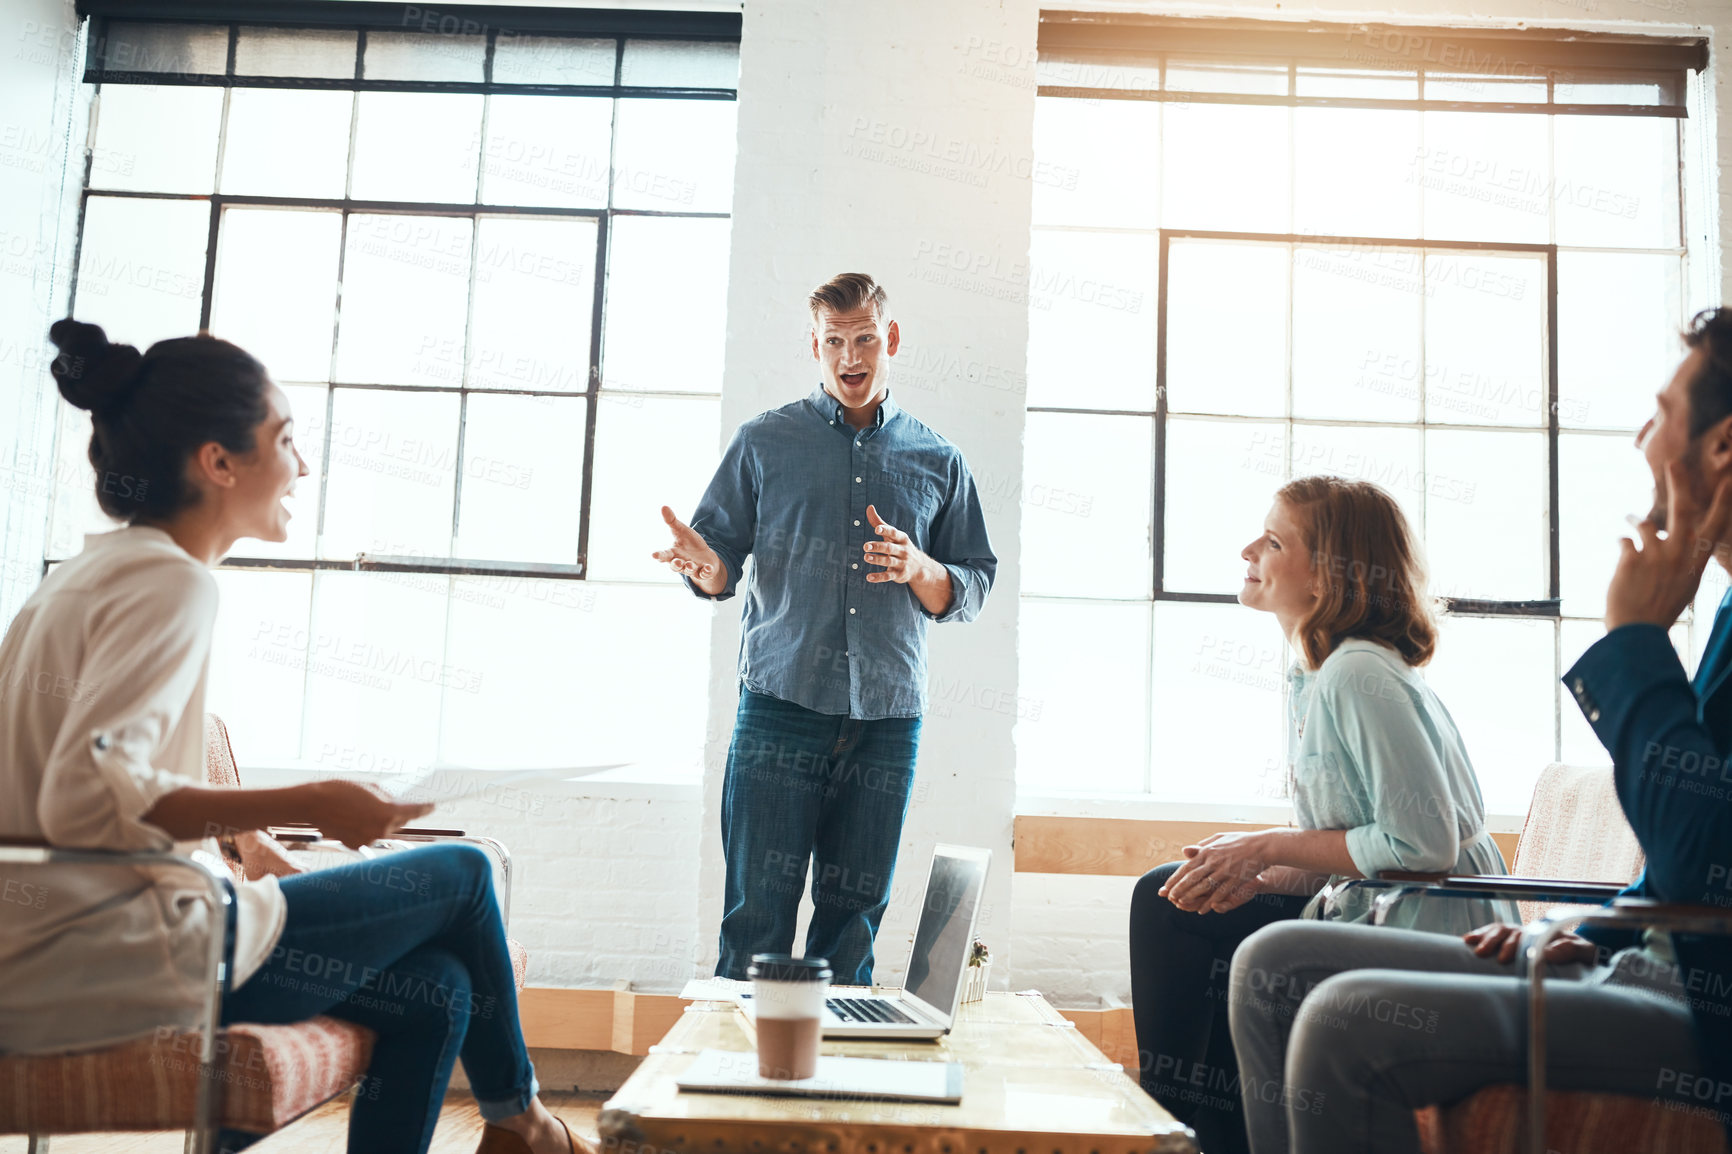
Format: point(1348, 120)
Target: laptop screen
point(941, 941)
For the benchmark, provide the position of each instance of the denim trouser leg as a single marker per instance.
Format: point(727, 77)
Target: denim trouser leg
point(859, 832)
point(800, 784)
point(410, 945)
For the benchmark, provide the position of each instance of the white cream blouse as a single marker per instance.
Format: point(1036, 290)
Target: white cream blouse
point(102, 689)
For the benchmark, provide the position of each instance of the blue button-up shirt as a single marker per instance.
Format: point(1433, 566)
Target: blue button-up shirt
point(791, 493)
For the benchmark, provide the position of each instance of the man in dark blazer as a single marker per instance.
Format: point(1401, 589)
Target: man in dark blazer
point(1343, 1030)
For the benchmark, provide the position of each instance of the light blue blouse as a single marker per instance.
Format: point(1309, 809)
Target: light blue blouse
point(1374, 752)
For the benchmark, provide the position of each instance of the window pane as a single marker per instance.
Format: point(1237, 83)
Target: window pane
point(1217, 292)
point(1617, 181)
point(405, 293)
point(674, 155)
point(547, 150)
point(504, 629)
point(191, 49)
point(392, 473)
point(524, 58)
point(1082, 734)
point(1203, 76)
point(1085, 505)
point(1225, 663)
point(1618, 321)
point(141, 267)
point(680, 64)
point(1221, 479)
point(295, 52)
point(1620, 88)
point(1485, 339)
point(649, 452)
point(258, 661)
point(423, 56)
point(1206, 186)
point(1354, 172)
point(1383, 456)
point(74, 511)
point(522, 478)
point(1486, 530)
point(1103, 68)
point(1601, 480)
point(534, 291)
point(1496, 678)
point(157, 139)
point(639, 352)
point(1485, 176)
point(1355, 324)
point(377, 669)
point(625, 653)
point(1496, 90)
point(307, 405)
point(1105, 157)
point(417, 146)
point(1091, 339)
point(287, 142)
point(1367, 85)
point(276, 288)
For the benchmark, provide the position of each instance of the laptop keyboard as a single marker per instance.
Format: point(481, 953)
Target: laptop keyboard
point(868, 1010)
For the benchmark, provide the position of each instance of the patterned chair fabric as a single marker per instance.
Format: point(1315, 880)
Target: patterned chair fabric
point(271, 1076)
point(1575, 830)
point(1494, 1121)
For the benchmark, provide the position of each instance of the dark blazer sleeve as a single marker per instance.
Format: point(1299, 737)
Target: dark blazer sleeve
point(1674, 784)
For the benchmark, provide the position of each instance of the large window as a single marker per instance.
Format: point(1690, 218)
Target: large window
point(1457, 272)
point(488, 266)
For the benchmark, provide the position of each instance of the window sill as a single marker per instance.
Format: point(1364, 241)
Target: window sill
point(1143, 807)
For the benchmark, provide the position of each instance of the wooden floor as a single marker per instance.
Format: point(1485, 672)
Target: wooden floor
point(324, 1131)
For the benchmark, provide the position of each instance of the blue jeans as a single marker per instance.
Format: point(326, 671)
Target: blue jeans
point(805, 785)
point(410, 945)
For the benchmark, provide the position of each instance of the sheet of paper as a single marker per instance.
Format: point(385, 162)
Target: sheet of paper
point(453, 783)
point(736, 1071)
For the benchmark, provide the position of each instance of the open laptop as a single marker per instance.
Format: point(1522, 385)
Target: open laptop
point(925, 1007)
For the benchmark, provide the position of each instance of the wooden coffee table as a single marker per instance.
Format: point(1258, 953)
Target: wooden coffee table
point(1032, 1085)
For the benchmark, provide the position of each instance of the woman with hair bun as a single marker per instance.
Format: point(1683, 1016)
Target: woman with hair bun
point(102, 689)
point(1379, 777)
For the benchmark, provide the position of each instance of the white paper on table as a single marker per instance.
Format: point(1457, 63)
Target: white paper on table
point(715, 990)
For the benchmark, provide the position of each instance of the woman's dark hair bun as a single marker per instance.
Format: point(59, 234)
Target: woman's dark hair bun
point(93, 373)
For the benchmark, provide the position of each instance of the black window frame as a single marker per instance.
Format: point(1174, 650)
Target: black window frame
point(1556, 56)
point(455, 20)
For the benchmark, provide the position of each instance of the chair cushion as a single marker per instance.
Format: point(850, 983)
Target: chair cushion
point(1494, 1121)
point(271, 1076)
point(1575, 829)
point(219, 754)
point(519, 961)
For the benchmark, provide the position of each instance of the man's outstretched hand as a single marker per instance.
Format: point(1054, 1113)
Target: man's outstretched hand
point(1653, 584)
point(691, 556)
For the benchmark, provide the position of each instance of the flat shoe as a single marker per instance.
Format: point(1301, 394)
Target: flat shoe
point(499, 1140)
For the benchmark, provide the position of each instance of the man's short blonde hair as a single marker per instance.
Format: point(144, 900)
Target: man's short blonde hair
point(846, 292)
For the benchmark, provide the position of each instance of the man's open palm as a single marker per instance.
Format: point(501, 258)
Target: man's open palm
point(689, 555)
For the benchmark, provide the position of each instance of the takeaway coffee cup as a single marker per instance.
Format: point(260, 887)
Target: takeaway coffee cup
point(788, 1003)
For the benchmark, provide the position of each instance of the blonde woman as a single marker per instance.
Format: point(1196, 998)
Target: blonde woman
point(1380, 780)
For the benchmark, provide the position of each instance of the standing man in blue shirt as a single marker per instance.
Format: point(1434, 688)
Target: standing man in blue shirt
point(864, 527)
